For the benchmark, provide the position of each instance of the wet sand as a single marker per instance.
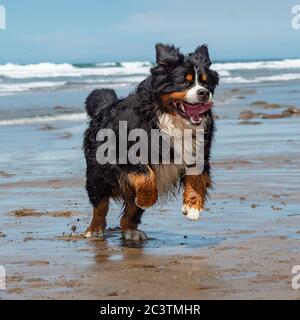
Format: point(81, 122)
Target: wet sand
point(243, 247)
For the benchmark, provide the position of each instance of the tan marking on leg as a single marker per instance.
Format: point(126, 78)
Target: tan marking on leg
point(98, 223)
point(145, 188)
point(194, 195)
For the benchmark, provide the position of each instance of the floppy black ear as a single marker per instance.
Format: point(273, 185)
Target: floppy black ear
point(167, 55)
point(202, 55)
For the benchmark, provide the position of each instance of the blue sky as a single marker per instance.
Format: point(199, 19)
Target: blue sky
point(118, 30)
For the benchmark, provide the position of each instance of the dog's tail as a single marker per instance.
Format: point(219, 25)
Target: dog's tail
point(99, 99)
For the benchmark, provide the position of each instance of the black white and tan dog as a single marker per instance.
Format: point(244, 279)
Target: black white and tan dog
point(177, 94)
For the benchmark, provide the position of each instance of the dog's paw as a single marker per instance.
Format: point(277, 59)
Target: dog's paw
point(190, 212)
point(94, 234)
point(134, 235)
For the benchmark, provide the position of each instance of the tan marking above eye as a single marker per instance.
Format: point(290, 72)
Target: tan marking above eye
point(189, 77)
point(204, 77)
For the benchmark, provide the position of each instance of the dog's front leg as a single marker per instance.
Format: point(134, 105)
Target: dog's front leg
point(194, 195)
point(145, 188)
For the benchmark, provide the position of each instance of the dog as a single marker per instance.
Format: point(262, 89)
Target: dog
point(177, 94)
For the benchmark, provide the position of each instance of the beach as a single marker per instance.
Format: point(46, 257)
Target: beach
point(243, 247)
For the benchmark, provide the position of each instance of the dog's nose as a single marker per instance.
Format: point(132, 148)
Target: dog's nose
point(203, 94)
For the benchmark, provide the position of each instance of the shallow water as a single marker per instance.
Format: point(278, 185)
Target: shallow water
point(254, 162)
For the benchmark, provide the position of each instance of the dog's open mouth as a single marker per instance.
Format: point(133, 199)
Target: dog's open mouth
point(193, 112)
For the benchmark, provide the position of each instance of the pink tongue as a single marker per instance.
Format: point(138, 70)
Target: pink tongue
point(195, 111)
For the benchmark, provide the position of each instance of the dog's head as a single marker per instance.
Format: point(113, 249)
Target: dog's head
point(184, 84)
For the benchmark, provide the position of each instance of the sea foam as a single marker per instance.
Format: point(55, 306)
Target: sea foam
point(73, 117)
point(17, 78)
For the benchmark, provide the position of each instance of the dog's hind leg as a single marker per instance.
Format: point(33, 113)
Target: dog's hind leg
point(130, 220)
point(98, 224)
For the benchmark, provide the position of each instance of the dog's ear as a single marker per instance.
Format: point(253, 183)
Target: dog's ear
point(167, 55)
point(202, 56)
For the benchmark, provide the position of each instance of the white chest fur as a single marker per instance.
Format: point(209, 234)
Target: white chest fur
point(169, 174)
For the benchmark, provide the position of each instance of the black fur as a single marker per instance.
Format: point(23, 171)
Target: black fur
point(98, 99)
point(141, 110)
point(168, 55)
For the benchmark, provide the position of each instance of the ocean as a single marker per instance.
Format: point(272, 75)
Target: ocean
point(52, 92)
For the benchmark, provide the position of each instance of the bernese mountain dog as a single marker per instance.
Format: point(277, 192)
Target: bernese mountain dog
point(177, 94)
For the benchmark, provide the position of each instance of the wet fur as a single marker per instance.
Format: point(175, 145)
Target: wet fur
point(143, 108)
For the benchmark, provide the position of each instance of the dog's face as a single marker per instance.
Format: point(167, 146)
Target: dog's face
point(184, 84)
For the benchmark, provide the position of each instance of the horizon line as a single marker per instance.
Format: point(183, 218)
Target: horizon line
point(74, 62)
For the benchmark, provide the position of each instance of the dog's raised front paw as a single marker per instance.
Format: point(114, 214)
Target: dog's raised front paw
point(190, 212)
